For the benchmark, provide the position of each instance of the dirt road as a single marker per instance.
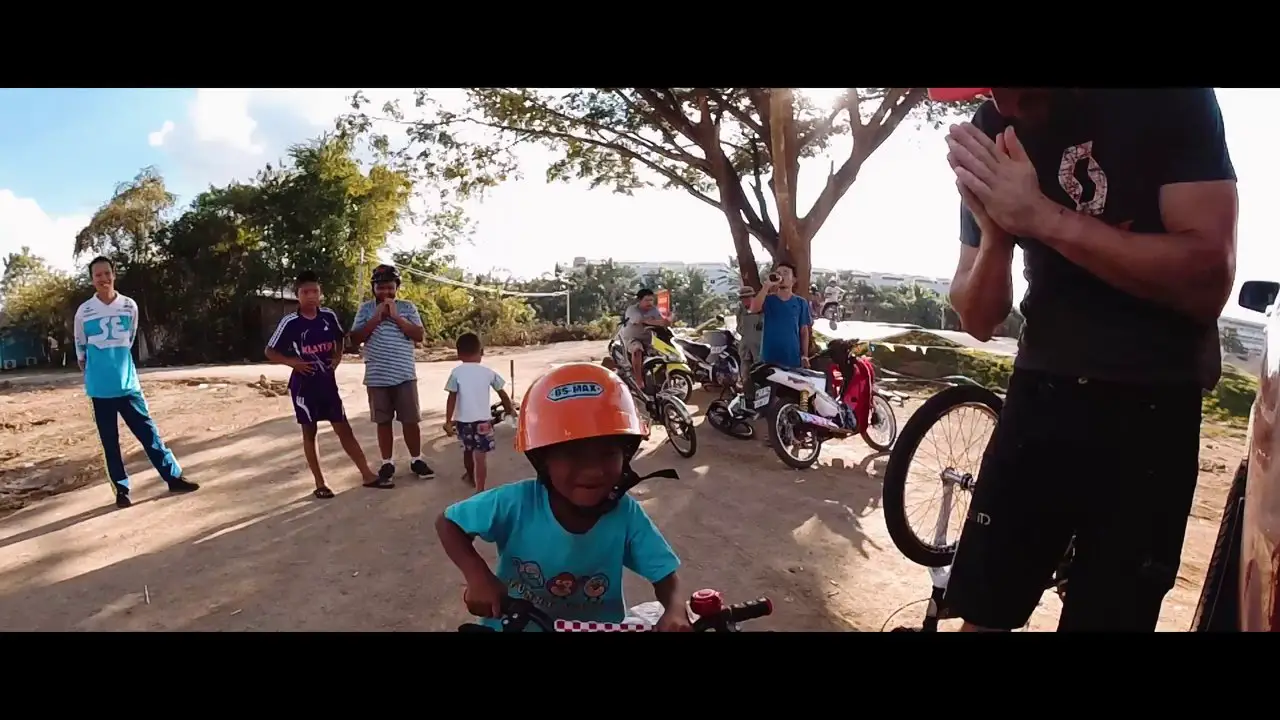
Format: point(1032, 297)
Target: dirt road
point(252, 551)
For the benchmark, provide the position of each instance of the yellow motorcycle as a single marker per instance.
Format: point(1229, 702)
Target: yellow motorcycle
point(665, 368)
point(668, 369)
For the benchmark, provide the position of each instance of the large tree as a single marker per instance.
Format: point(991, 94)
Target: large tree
point(124, 229)
point(20, 268)
point(722, 146)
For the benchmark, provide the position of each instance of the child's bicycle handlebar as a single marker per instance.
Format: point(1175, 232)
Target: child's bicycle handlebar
point(708, 605)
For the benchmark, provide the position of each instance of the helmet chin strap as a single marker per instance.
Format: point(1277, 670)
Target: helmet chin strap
point(628, 480)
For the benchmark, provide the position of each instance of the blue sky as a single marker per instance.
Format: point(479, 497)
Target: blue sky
point(63, 150)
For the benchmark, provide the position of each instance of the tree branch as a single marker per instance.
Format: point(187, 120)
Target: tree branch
point(867, 137)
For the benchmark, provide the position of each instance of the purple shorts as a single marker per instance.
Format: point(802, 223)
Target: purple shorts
point(315, 402)
point(476, 436)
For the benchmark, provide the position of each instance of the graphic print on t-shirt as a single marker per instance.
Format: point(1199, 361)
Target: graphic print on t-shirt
point(562, 592)
point(1069, 172)
point(1071, 158)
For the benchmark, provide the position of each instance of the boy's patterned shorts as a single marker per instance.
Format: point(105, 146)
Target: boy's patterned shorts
point(476, 436)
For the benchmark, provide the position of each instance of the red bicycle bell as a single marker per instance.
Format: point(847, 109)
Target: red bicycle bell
point(706, 602)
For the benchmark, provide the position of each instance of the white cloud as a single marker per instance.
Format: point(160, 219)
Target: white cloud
point(22, 222)
point(221, 117)
point(156, 139)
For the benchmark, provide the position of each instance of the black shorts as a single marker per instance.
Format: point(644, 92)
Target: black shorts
point(1114, 465)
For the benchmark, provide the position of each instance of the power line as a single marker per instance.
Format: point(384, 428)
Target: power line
point(470, 286)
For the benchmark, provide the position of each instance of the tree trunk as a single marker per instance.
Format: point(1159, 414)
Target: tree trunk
point(793, 247)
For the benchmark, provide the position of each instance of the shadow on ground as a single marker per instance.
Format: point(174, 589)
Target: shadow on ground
point(253, 551)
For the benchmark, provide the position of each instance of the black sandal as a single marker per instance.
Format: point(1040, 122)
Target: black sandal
point(380, 484)
point(323, 493)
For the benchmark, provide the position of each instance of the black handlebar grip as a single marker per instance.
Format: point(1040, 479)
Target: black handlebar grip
point(750, 610)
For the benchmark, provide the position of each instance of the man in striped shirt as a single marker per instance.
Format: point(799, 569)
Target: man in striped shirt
point(389, 327)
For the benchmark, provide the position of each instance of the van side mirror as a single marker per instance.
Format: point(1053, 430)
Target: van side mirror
point(1258, 295)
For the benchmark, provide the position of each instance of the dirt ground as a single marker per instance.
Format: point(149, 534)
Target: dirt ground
point(252, 551)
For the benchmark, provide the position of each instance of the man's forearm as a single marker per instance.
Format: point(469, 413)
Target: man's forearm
point(804, 341)
point(983, 297)
point(757, 302)
point(410, 330)
point(1190, 274)
point(362, 333)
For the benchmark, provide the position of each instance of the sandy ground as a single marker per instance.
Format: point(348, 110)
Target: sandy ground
point(252, 551)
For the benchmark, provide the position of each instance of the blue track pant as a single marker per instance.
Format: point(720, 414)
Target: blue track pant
point(133, 408)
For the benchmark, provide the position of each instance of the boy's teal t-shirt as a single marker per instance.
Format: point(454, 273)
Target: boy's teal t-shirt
point(104, 341)
point(567, 576)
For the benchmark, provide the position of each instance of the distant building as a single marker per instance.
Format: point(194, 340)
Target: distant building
point(721, 277)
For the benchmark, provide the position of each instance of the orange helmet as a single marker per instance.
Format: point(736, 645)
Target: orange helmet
point(957, 94)
point(574, 402)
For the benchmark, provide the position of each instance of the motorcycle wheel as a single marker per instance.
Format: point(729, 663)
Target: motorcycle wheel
point(884, 424)
point(679, 384)
point(679, 424)
point(780, 423)
point(720, 418)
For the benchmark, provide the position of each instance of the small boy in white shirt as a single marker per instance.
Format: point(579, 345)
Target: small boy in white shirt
point(467, 410)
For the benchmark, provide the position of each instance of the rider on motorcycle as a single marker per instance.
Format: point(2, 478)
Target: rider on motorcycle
point(833, 293)
point(637, 320)
point(579, 429)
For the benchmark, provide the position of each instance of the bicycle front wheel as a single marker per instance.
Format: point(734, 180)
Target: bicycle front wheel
point(924, 481)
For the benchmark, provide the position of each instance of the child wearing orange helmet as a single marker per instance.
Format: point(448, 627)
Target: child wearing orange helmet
point(564, 537)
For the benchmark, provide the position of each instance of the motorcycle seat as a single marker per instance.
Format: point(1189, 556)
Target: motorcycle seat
point(701, 350)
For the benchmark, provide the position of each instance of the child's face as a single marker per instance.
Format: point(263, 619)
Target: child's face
point(584, 471)
point(309, 295)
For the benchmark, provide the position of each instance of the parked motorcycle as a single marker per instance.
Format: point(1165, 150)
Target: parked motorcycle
point(664, 368)
point(808, 407)
point(714, 359)
point(663, 406)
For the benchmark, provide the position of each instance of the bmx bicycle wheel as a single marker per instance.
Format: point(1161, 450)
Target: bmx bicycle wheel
point(679, 424)
point(958, 411)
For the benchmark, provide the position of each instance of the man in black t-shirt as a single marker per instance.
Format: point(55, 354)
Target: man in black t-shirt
point(1124, 203)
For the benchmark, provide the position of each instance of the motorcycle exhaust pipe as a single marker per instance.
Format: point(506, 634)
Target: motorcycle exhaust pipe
point(819, 423)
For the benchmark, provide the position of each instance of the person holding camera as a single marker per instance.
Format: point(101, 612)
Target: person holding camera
point(787, 320)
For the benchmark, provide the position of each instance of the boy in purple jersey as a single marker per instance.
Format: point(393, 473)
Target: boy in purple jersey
point(310, 342)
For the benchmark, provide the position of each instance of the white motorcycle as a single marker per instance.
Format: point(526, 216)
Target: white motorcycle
point(805, 408)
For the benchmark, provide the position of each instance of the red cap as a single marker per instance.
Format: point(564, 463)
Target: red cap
point(706, 602)
point(956, 94)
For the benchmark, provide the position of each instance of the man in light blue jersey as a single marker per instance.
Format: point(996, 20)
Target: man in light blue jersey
point(389, 327)
point(106, 326)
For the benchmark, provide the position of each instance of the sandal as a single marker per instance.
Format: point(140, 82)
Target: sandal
point(380, 484)
point(323, 493)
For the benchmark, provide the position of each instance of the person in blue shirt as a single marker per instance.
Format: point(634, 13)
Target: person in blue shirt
point(564, 537)
point(105, 327)
point(787, 320)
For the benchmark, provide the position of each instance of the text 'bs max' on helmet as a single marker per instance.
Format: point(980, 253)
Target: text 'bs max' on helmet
point(576, 401)
point(386, 273)
point(957, 94)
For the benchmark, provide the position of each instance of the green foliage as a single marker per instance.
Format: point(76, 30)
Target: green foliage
point(44, 303)
point(1230, 401)
point(1233, 397)
point(19, 268)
